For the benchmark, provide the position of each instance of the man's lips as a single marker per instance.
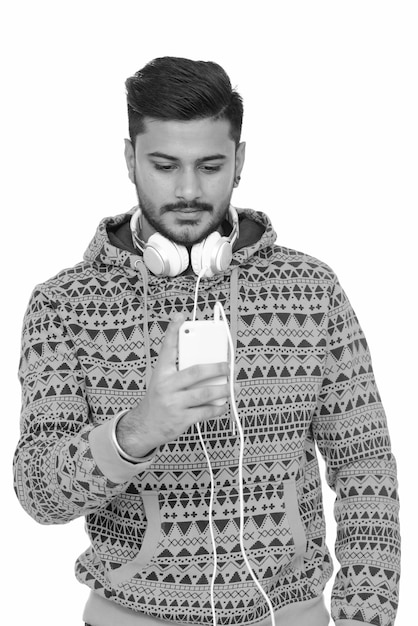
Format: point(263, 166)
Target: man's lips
point(188, 210)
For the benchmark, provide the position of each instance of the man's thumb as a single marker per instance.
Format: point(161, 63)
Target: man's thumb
point(170, 343)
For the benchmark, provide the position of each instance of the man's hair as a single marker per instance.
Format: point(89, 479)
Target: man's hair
point(173, 88)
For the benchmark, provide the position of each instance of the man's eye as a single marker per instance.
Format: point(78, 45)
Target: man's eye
point(210, 169)
point(162, 167)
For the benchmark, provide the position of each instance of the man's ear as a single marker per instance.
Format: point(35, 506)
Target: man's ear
point(239, 159)
point(130, 159)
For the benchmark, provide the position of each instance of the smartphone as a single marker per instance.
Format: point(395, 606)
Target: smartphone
point(204, 341)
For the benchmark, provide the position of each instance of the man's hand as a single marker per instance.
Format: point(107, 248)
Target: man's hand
point(171, 405)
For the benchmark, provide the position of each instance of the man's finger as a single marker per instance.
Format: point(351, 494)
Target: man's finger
point(169, 348)
point(199, 373)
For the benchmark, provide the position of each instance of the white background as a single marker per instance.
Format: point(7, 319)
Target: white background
point(331, 101)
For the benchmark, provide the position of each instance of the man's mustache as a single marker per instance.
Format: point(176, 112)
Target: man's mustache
point(195, 204)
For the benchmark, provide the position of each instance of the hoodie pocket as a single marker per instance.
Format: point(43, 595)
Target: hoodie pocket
point(149, 543)
point(296, 526)
point(274, 533)
point(279, 536)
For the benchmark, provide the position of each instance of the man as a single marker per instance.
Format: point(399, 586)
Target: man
point(110, 424)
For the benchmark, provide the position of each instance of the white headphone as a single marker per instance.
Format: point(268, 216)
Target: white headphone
point(166, 258)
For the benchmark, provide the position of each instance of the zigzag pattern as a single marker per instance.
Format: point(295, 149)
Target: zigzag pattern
point(304, 375)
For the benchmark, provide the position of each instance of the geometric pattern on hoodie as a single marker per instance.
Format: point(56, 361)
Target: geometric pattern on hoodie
point(304, 375)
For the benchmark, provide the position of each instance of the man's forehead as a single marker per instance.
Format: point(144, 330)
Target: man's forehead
point(192, 136)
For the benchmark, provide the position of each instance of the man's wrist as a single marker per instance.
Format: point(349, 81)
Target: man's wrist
point(123, 453)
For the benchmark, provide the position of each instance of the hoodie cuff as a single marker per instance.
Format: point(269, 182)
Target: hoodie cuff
point(104, 449)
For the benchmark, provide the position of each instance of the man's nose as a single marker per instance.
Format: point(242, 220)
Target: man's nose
point(188, 185)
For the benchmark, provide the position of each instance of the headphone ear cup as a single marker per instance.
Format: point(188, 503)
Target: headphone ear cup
point(223, 255)
point(214, 253)
point(164, 257)
point(199, 257)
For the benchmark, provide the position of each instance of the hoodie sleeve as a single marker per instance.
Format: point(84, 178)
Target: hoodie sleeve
point(64, 465)
point(351, 432)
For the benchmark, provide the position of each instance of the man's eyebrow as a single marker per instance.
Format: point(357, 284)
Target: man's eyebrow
point(212, 157)
point(169, 157)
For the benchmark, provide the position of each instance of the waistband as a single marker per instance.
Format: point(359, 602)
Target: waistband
point(101, 612)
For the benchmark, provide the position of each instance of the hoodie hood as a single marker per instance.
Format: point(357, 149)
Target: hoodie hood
point(112, 243)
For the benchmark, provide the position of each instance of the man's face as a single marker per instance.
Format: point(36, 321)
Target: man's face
point(184, 175)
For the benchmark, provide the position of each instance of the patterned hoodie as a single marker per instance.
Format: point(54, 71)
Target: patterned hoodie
point(91, 337)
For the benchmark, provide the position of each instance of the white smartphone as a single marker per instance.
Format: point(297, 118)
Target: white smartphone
point(204, 341)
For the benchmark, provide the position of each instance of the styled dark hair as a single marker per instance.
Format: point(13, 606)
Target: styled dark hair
point(173, 88)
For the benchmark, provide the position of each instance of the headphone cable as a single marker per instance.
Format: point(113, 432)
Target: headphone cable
point(219, 311)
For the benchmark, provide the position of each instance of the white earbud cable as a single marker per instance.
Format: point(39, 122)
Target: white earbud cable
point(219, 309)
point(240, 464)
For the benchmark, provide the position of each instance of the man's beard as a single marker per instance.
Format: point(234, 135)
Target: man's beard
point(186, 237)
